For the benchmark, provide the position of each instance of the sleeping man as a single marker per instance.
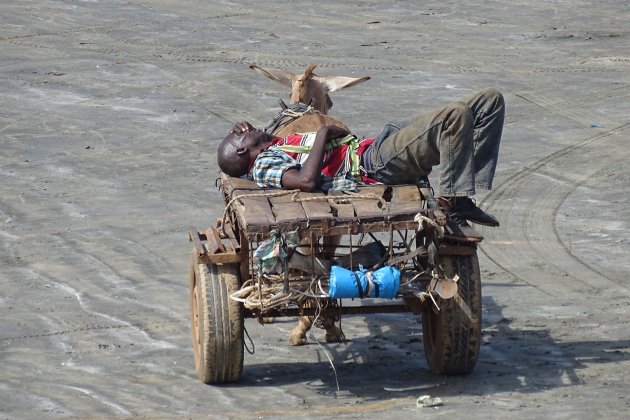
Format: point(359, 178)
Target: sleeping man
point(462, 139)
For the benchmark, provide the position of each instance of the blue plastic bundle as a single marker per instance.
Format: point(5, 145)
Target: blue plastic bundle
point(382, 283)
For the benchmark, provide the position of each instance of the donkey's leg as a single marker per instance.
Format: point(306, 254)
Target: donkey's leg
point(298, 335)
point(333, 333)
point(305, 323)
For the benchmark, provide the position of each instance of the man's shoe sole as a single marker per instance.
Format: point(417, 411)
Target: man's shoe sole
point(484, 223)
point(459, 238)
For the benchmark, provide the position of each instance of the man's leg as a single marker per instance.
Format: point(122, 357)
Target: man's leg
point(488, 108)
point(444, 138)
point(462, 138)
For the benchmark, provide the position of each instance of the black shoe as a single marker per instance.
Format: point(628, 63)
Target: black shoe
point(467, 209)
point(457, 226)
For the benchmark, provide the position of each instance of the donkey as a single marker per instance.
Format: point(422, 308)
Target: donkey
point(312, 90)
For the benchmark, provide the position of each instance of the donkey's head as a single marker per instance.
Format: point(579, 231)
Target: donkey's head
point(310, 88)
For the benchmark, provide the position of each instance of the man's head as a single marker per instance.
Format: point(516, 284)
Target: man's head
point(237, 150)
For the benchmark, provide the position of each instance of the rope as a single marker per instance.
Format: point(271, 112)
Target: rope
point(290, 114)
point(271, 296)
point(296, 114)
point(424, 221)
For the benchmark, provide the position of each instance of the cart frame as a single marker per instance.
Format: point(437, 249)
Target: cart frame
point(445, 290)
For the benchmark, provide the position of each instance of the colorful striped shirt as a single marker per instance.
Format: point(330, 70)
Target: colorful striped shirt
point(271, 164)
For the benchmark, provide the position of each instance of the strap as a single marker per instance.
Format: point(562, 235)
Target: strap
point(371, 284)
point(294, 149)
point(355, 162)
point(356, 276)
point(333, 143)
point(288, 114)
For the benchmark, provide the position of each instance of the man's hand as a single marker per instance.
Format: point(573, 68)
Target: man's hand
point(242, 127)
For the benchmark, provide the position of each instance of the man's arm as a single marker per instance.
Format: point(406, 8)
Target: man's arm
point(307, 178)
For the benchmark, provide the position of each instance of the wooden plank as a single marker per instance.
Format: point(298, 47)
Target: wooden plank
point(234, 244)
point(452, 249)
point(193, 235)
point(260, 215)
point(214, 244)
point(232, 183)
point(316, 210)
point(369, 208)
point(285, 209)
point(406, 198)
point(344, 210)
point(224, 258)
point(245, 255)
point(254, 213)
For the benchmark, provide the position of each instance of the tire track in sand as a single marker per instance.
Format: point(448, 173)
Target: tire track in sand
point(527, 245)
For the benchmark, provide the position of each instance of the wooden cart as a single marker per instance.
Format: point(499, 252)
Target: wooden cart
point(440, 277)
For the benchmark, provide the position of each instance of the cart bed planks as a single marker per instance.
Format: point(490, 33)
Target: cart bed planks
point(372, 209)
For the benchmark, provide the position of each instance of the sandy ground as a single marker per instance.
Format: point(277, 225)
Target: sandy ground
point(110, 113)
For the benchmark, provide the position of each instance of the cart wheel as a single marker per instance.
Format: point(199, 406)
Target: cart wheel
point(452, 336)
point(217, 322)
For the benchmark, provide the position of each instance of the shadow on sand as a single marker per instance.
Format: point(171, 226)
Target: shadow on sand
point(388, 361)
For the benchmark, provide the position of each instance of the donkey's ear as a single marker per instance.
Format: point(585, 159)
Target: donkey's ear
point(309, 71)
point(336, 83)
point(282, 76)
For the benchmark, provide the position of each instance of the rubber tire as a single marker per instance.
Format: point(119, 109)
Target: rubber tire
point(451, 336)
point(217, 322)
